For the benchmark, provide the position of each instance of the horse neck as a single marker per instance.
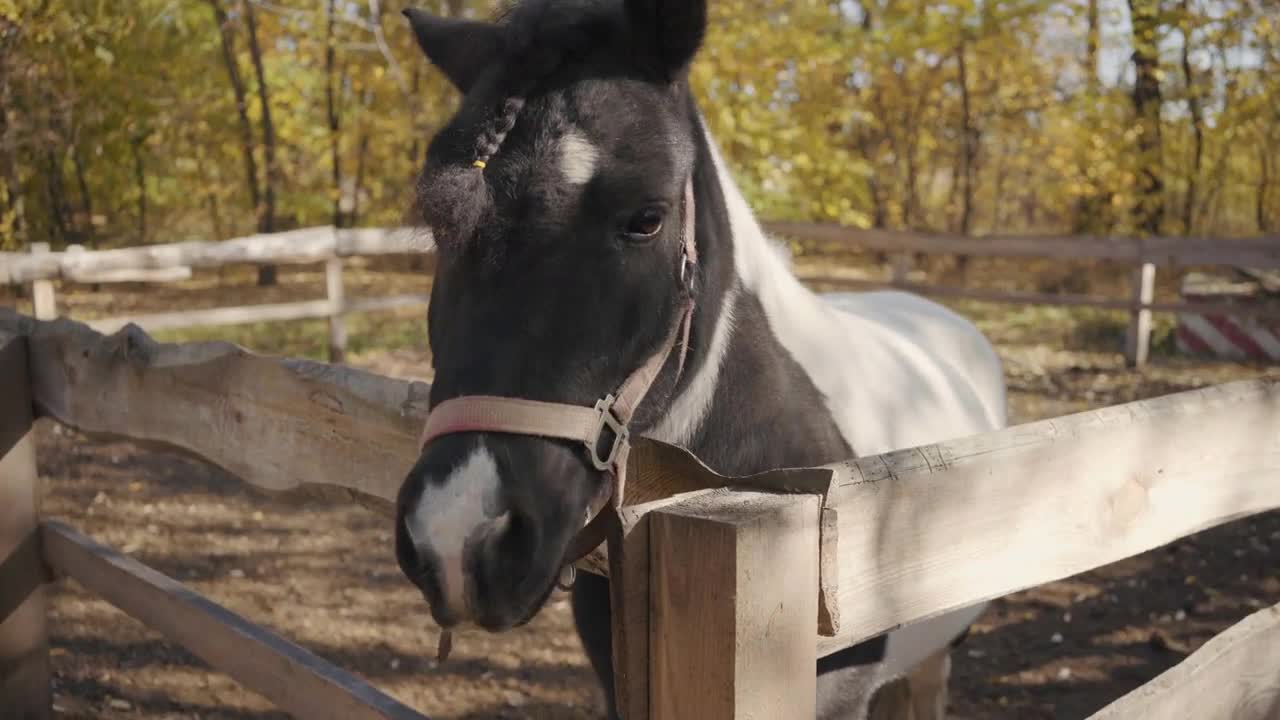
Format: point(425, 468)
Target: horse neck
point(747, 405)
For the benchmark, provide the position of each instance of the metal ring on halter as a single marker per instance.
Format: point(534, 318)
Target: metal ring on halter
point(568, 576)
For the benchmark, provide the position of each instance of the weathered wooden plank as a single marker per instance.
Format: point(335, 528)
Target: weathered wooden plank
point(923, 531)
point(1234, 676)
point(25, 690)
point(215, 317)
point(385, 241)
point(275, 312)
point(277, 424)
point(660, 474)
point(1032, 298)
point(169, 274)
point(155, 275)
point(629, 576)
point(1261, 252)
point(306, 245)
point(290, 676)
point(733, 623)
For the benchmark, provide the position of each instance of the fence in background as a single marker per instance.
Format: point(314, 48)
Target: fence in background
point(166, 263)
point(724, 591)
point(173, 262)
point(1144, 254)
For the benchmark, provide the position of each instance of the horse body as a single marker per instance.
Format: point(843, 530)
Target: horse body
point(888, 370)
point(559, 273)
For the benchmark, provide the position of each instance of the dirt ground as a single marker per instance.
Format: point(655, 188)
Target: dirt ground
point(324, 576)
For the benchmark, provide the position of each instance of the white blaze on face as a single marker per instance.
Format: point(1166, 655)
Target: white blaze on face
point(578, 158)
point(449, 513)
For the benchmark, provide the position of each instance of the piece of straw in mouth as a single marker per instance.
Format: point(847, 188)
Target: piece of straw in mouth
point(445, 647)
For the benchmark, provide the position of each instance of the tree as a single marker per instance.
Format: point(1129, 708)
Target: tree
point(267, 212)
point(1149, 209)
point(232, 66)
point(948, 115)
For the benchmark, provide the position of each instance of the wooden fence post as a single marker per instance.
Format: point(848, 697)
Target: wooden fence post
point(337, 299)
point(901, 268)
point(1137, 346)
point(42, 297)
point(734, 624)
point(25, 690)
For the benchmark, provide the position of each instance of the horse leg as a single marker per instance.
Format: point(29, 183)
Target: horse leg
point(590, 599)
point(921, 694)
point(928, 686)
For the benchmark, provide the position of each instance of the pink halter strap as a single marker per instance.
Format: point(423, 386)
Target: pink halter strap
point(588, 425)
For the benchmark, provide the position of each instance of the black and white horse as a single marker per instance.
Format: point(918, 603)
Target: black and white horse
point(555, 197)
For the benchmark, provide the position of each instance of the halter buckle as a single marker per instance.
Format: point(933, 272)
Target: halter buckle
point(621, 436)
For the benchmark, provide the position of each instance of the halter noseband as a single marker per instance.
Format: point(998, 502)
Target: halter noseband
point(611, 414)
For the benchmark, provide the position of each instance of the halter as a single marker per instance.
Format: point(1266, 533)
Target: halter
point(610, 416)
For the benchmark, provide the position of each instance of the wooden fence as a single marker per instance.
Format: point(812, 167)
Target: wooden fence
point(725, 590)
point(1145, 255)
point(172, 262)
point(161, 263)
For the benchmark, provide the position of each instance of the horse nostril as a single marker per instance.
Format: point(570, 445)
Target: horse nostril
point(502, 553)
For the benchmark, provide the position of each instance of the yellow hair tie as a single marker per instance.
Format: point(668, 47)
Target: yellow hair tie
point(480, 164)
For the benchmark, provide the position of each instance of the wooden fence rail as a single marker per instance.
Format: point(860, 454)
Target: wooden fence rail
point(293, 678)
point(308, 245)
point(1263, 252)
point(1238, 670)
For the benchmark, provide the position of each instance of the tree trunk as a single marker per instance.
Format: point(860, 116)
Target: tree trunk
point(1264, 185)
point(331, 105)
point(1092, 43)
point(86, 198)
point(361, 154)
point(242, 104)
point(911, 211)
point(968, 144)
point(1149, 211)
point(968, 153)
point(215, 216)
point(1089, 208)
point(415, 147)
point(1197, 125)
point(58, 225)
point(140, 177)
point(267, 214)
point(10, 188)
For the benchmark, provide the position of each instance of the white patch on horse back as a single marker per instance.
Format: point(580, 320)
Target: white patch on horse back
point(449, 513)
point(688, 410)
point(895, 370)
point(578, 158)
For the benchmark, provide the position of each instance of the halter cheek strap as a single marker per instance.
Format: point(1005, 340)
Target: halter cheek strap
point(610, 417)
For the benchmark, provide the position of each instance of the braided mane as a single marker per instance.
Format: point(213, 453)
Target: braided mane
point(452, 193)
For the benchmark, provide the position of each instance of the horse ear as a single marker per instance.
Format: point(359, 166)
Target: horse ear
point(669, 31)
point(462, 49)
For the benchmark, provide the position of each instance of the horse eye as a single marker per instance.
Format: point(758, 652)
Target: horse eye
point(645, 224)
